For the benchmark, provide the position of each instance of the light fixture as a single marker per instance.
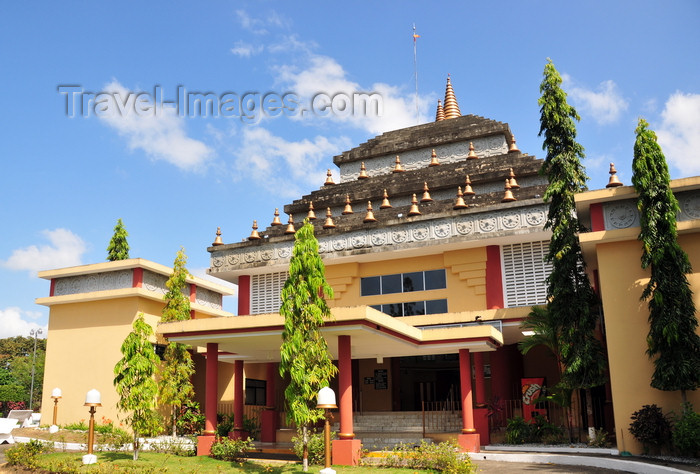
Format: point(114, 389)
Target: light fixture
point(55, 394)
point(93, 399)
point(529, 333)
point(326, 401)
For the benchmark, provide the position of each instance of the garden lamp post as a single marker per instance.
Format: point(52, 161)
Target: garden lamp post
point(326, 401)
point(33, 333)
point(92, 400)
point(55, 394)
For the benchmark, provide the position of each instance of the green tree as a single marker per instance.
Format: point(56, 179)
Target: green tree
point(304, 352)
point(175, 386)
point(572, 300)
point(118, 248)
point(135, 383)
point(672, 343)
point(16, 357)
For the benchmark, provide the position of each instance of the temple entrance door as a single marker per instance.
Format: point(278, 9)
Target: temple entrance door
point(427, 378)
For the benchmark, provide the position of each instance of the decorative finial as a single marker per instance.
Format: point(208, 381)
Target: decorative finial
point(513, 183)
point(508, 196)
point(513, 147)
point(414, 211)
point(433, 159)
point(290, 226)
point(329, 178)
point(311, 215)
point(348, 207)
point(276, 219)
point(468, 191)
point(426, 194)
point(440, 112)
point(472, 154)
point(385, 202)
point(459, 203)
point(329, 220)
point(614, 181)
point(217, 240)
point(363, 172)
point(451, 107)
point(254, 235)
point(398, 168)
point(369, 217)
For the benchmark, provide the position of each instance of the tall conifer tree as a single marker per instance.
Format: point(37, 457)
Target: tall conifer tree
point(673, 343)
point(571, 297)
point(118, 248)
point(304, 352)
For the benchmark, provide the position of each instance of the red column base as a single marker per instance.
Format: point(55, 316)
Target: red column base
point(238, 434)
point(481, 423)
point(204, 444)
point(469, 442)
point(268, 426)
point(347, 452)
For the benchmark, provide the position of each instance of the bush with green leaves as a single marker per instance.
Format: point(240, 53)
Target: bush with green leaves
point(539, 430)
point(232, 450)
point(25, 454)
point(518, 431)
point(651, 427)
point(317, 446)
point(191, 419)
point(443, 457)
point(176, 446)
point(686, 432)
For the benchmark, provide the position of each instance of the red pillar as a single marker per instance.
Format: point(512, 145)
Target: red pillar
point(238, 400)
point(346, 450)
point(268, 428)
point(469, 439)
point(211, 396)
point(481, 412)
point(494, 278)
point(243, 295)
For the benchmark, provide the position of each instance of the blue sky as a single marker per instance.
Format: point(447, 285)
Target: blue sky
point(174, 178)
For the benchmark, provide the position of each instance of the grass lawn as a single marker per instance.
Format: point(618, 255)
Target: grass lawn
point(108, 462)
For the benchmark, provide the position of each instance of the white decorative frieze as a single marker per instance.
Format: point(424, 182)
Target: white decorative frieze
point(156, 282)
point(208, 298)
point(624, 214)
point(407, 235)
point(93, 282)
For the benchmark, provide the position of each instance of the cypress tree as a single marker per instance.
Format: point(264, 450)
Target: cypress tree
point(118, 248)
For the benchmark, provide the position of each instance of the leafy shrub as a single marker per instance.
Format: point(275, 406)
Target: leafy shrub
point(175, 446)
point(518, 431)
point(442, 457)
point(600, 440)
point(686, 432)
point(650, 427)
point(317, 446)
point(24, 454)
point(227, 449)
point(79, 426)
point(539, 430)
point(191, 419)
point(224, 425)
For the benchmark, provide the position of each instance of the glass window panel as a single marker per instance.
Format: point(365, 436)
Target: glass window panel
point(435, 280)
point(414, 308)
point(395, 309)
point(435, 306)
point(378, 307)
point(413, 281)
point(391, 284)
point(370, 286)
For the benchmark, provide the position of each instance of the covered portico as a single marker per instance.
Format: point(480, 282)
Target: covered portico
point(358, 332)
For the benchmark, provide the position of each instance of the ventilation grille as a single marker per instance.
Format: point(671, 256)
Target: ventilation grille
point(525, 272)
point(265, 292)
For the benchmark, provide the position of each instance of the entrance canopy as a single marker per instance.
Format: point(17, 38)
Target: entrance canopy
point(373, 334)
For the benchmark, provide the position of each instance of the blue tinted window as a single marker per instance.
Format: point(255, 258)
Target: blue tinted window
point(413, 281)
point(391, 284)
point(414, 308)
point(435, 306)
point(370, 286)
point(435, 280)
point(395, 309)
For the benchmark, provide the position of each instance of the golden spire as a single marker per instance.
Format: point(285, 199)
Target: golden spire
point(472, 154)
point(508, 196)
point(385, 202)
point(348, 207)
point(459, 203)
point(329, 178)
point(329, 220)
point(433, 159)
point(311, 215)
point(414, 211)
point(217, 240)
point(468, 191)
point(513, 147)
point(513, 183)
point(440, 112)
point(363, 172)
point(614, 180)
point(290, 226)
point(398, 168)
point(369, 217)
point(254, 235)
point(276, 219)
point(426, 194)
point(451, 107)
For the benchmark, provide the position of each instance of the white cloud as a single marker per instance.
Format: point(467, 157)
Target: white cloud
point(15, 323)
point(254, 25)
point(65, 249)
point(288, 168)
point(246, 50)
point(160, 135)
point(323, 74)
point(605, 104)
point(679, 134)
